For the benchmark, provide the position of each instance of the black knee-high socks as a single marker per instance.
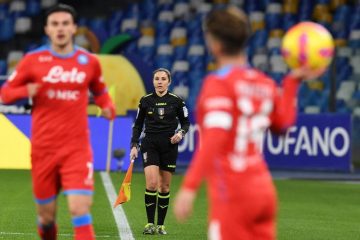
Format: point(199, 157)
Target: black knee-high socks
point(154, 199)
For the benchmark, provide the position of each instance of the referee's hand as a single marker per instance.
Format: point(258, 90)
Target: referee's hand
point(133, 153)
point(176, 138)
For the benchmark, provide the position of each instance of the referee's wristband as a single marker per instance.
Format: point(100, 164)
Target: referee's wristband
point(181, 131)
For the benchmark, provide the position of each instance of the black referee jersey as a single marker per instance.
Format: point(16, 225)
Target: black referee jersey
point(160, 115)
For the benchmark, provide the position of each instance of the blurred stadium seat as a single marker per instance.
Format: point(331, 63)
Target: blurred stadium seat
point(169, 34)
point(164, 57)
point(22, 25)
point(146, 46)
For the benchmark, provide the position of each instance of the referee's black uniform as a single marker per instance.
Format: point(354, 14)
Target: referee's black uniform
point(161, 116)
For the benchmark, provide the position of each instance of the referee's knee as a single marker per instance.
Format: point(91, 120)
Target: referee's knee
point(164, 188)
point(152, 184)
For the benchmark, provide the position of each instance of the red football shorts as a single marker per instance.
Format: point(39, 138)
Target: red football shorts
point(69, 170)
point(249, 213)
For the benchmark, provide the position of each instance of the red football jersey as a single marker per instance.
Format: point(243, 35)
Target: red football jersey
point(235, 107)
point(59, 113)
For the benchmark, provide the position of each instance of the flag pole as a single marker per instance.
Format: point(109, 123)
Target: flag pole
point(112, 92)
point(110, 137)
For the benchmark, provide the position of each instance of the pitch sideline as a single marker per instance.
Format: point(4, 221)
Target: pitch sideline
point(124, 229)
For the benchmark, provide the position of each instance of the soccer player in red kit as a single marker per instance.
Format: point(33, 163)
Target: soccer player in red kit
point(57, 77)
point(236, 105)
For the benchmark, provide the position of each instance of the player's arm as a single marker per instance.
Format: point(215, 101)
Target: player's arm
point(284, 114)
point(216, 123)
point(285, 110)
point(100, 93)
point(18, 85)
point(213, 141)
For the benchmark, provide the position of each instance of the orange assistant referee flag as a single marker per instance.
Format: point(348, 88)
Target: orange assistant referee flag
point(125, 191)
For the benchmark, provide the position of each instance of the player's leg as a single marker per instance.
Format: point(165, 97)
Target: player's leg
point(79, 207)
point(47, 228)
point(150, 158)
point(231, 213)
point(234, 224)
point(264, 226)
point(78, 182)
point(265, 229)
point(214, 230)
point(226, 222)
point(46, 185)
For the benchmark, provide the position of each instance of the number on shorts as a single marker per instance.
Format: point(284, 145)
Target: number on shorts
point(90, 166)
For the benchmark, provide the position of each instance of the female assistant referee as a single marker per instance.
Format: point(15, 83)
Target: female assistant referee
point(161, 111)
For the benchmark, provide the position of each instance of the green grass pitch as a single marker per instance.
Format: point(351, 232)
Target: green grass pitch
point(307, 210)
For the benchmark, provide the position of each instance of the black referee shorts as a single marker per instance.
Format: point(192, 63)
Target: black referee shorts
point(156, 149)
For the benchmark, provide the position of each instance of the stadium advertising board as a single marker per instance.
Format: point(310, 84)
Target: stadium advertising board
point(316, 142)
point(15, 141)
point(188, 144)
point(99, 128)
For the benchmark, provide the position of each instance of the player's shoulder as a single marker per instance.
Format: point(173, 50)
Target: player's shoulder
point(44, 49)
point(36, 55)
point(219, 78)
point(84, 56)
point(259, 74)
point(261, 77)
point(84, 51)
point(246, 73)
point(230, 72)
point(225, 74)
point(40, 53)
point(221, 74)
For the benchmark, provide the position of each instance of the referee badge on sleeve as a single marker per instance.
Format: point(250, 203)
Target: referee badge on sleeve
point(145, 157)
point(186, 113)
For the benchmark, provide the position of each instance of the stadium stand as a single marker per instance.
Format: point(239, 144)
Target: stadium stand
point(168, 34)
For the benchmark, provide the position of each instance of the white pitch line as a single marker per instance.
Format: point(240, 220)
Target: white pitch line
point(124, 229)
